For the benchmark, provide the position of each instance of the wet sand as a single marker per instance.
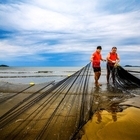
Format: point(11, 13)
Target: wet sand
point(106, 125)
point(116, 117)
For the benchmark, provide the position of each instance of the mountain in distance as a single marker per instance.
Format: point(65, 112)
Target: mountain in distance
point(130, 66)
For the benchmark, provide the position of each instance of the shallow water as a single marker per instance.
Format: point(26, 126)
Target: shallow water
point(44, 74)
point(35, 74)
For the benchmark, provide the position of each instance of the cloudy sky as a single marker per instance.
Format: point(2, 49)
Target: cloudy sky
point(67, 32)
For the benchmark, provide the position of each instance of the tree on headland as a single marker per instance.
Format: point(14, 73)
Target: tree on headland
point(3, 65)
point(130, 66)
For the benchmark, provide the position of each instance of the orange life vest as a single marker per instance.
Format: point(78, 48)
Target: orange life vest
point(96, 59)
point(113, 57)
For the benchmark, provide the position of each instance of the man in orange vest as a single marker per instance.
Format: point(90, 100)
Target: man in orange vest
point(95, 59)
point(112, 59)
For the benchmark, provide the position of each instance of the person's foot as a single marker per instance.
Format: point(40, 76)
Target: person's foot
point(107, 81)
point(97, 84)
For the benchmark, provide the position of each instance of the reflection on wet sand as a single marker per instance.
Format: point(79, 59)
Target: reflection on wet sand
point(99, 116)
point(112, 121)
point(113, 125)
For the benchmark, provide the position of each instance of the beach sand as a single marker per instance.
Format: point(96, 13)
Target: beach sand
point(106, 125)
point(116, 117)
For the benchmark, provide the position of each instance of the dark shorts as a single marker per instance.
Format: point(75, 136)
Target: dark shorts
point(109, 67)
point(96, 69)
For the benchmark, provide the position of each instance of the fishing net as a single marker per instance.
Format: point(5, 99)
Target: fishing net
point(57, 113)
point(9, 90)
point(125, 80)
point(60, 110)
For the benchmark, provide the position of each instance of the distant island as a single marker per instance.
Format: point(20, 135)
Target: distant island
point(4, 66)
point(130, 66)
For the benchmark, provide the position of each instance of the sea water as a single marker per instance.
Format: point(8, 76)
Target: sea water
point(45, 74)
point(35, 74)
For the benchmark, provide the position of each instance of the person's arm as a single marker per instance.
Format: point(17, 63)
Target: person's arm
point(103, 59)
point(91, 58)
point(118, 58)
point(108, 58)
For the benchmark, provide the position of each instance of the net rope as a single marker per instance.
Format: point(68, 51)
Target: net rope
point(59, 112)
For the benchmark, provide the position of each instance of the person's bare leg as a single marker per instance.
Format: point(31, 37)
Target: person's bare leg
point(97, 76)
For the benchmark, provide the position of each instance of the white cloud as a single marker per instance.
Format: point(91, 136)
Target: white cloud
point(76, 26)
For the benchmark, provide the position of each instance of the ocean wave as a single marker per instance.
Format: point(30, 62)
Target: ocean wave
point(32, 76)
point(24, 72)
